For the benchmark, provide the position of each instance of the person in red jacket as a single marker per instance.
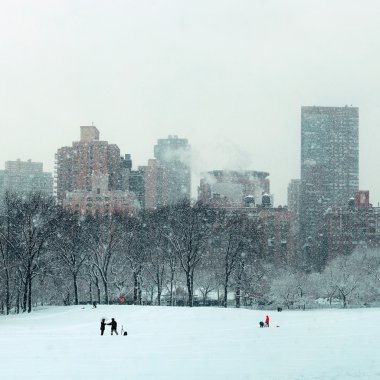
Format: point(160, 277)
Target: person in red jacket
point(267, 321)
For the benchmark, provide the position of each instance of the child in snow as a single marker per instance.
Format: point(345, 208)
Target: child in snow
point(113, 326)
point(267, 321)
point(261, 324)
point(102, 326)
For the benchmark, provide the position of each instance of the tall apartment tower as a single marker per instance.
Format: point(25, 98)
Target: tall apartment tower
point(294, 190)
point(76, 165)
point(174, 154)
point(155, 180)
point(329, 164)
point(330, 143)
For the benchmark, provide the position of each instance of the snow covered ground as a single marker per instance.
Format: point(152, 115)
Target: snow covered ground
point(165, 343)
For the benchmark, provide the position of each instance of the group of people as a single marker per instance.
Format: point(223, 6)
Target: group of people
point(266, 323)
point(113, 325)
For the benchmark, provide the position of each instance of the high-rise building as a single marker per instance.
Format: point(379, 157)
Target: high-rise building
point(136, 185)
point(294, 195)
point(174, 154)
point(233, 188)
point(76, 165)
point(330, 141)
point(156, 187)
point(25, 176)
point(125, 172)
point(329, 165)
point(294, 190)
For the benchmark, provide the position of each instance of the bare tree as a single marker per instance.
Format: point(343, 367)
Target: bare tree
point(156, 247)
point(8, 245)
point(229, 245)
point(71, 248)
point(206, 281)
point(188, 230)
point(133, 253)
point(37, 219)
point(103, 237)
point(345, 274)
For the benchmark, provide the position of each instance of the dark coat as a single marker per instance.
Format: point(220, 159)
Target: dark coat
point(102, 325)
point(113, 324)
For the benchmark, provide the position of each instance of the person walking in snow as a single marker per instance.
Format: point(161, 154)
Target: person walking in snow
point(113, 326)
point(102, 326)
point(267, 321)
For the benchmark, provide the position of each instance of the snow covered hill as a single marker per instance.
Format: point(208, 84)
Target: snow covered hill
point(164, 343)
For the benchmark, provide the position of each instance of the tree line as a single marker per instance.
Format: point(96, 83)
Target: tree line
point(185, 254)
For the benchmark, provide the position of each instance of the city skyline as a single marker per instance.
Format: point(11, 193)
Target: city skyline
point(198, 176)
point(230, 78)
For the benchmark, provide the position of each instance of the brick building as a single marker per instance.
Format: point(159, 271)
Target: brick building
point(275, 231)
point(353, 226)
point(101, 200)
point(76, 165)
point(156, 184)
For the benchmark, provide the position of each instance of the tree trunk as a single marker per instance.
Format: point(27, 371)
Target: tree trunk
point(238, 296)
point(7, 295)
point(105, 284)
point(135, 288)
point(238, 285)
point(189, 284)
point(140, 295)
point(171, 289)
point(344, 300)
point(76, 300)
point(25, 296)
point(225, 295)
point(29, 294)
point(97, 288)
point(90, 291)
point(158, 288)
point(18, 302)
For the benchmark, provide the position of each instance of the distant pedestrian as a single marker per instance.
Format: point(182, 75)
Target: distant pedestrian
point(113, 326)
point(267, 321)
point(94, 305)
point(261, 324)
point(102, 326)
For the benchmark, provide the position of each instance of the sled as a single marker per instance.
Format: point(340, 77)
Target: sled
point(122, 332)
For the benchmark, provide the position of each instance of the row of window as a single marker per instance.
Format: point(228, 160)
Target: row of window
point(120, 198)
point(89, 205)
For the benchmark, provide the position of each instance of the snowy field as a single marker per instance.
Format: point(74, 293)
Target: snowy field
point(164, 343)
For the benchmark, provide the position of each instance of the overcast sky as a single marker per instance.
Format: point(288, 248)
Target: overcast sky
point(231, 76)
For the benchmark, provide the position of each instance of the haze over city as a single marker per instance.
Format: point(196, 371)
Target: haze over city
point(230, 77)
